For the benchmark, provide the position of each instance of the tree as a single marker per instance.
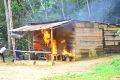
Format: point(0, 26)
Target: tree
point(8, 23)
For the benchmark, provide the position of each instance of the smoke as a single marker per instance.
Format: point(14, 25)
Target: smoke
point(101, 11)
point(106, 11)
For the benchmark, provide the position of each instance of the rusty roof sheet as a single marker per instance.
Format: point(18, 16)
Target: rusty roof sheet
point(39, 26)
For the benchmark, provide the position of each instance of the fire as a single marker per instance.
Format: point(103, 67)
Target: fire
point(46, 36)
point(63, 41)
point(54, 47)
point(65, 52)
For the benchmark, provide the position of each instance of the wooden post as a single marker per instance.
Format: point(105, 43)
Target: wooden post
point(13, 45)
point(52, 46)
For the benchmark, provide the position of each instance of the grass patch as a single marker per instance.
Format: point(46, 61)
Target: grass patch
point(101, 72)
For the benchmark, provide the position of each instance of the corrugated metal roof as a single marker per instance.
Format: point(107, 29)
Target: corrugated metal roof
point(39, 26)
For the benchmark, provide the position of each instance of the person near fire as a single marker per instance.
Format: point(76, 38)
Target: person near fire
point(2, 50)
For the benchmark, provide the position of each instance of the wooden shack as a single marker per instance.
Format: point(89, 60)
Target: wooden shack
point(72, 37)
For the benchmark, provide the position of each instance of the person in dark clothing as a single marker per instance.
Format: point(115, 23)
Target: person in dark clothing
point(2, 50)
point(17, 55)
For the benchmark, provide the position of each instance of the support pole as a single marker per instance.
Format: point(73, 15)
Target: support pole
point(52, 46)
point(13, 45)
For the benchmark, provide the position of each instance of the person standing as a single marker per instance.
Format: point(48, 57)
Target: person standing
point(17, 54)
point(2, 50)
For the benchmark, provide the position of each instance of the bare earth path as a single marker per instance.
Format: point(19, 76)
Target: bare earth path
point(21, 72)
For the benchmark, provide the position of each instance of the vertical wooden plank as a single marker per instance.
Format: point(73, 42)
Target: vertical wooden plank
point(103, 35)
point(75, 42)
point(77, 52)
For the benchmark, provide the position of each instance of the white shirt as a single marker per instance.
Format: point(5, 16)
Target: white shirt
point(2, 49)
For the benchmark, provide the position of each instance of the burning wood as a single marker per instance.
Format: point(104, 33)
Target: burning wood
point(55, 43)
point(63, 41)
point(54, 47)
point(65, 51)
point(46, 36)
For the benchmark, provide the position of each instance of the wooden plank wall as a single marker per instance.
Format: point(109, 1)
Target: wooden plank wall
point(88, 36)
point(111, 36)
point(112, 40)
point(96, 35)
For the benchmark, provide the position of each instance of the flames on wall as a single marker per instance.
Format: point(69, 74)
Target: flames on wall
point(47, 40)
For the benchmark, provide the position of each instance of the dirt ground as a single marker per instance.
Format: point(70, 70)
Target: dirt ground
point(12, 71)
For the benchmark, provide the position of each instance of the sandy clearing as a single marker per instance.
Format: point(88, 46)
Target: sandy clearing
point(21, 72)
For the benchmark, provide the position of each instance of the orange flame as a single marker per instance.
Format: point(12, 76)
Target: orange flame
point(54, 47)
point(46, 36)
point(63, 41)
point(65, 52)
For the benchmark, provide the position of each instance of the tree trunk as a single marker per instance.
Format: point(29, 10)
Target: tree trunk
point(33, 11)
point(8, 22)
point(27, 12)
point(62, 9)
point(10, 14)
point(78, 5)
point(89, 11)
point(46, 15)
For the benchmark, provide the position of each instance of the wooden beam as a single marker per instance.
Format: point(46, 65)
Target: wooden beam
point(52, 46)
point(45, 52)
point(13, 45)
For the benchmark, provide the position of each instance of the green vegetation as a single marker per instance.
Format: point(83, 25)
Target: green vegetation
point(27, 11)
point(92, 53)
point(30, 11)
point(101, 72)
